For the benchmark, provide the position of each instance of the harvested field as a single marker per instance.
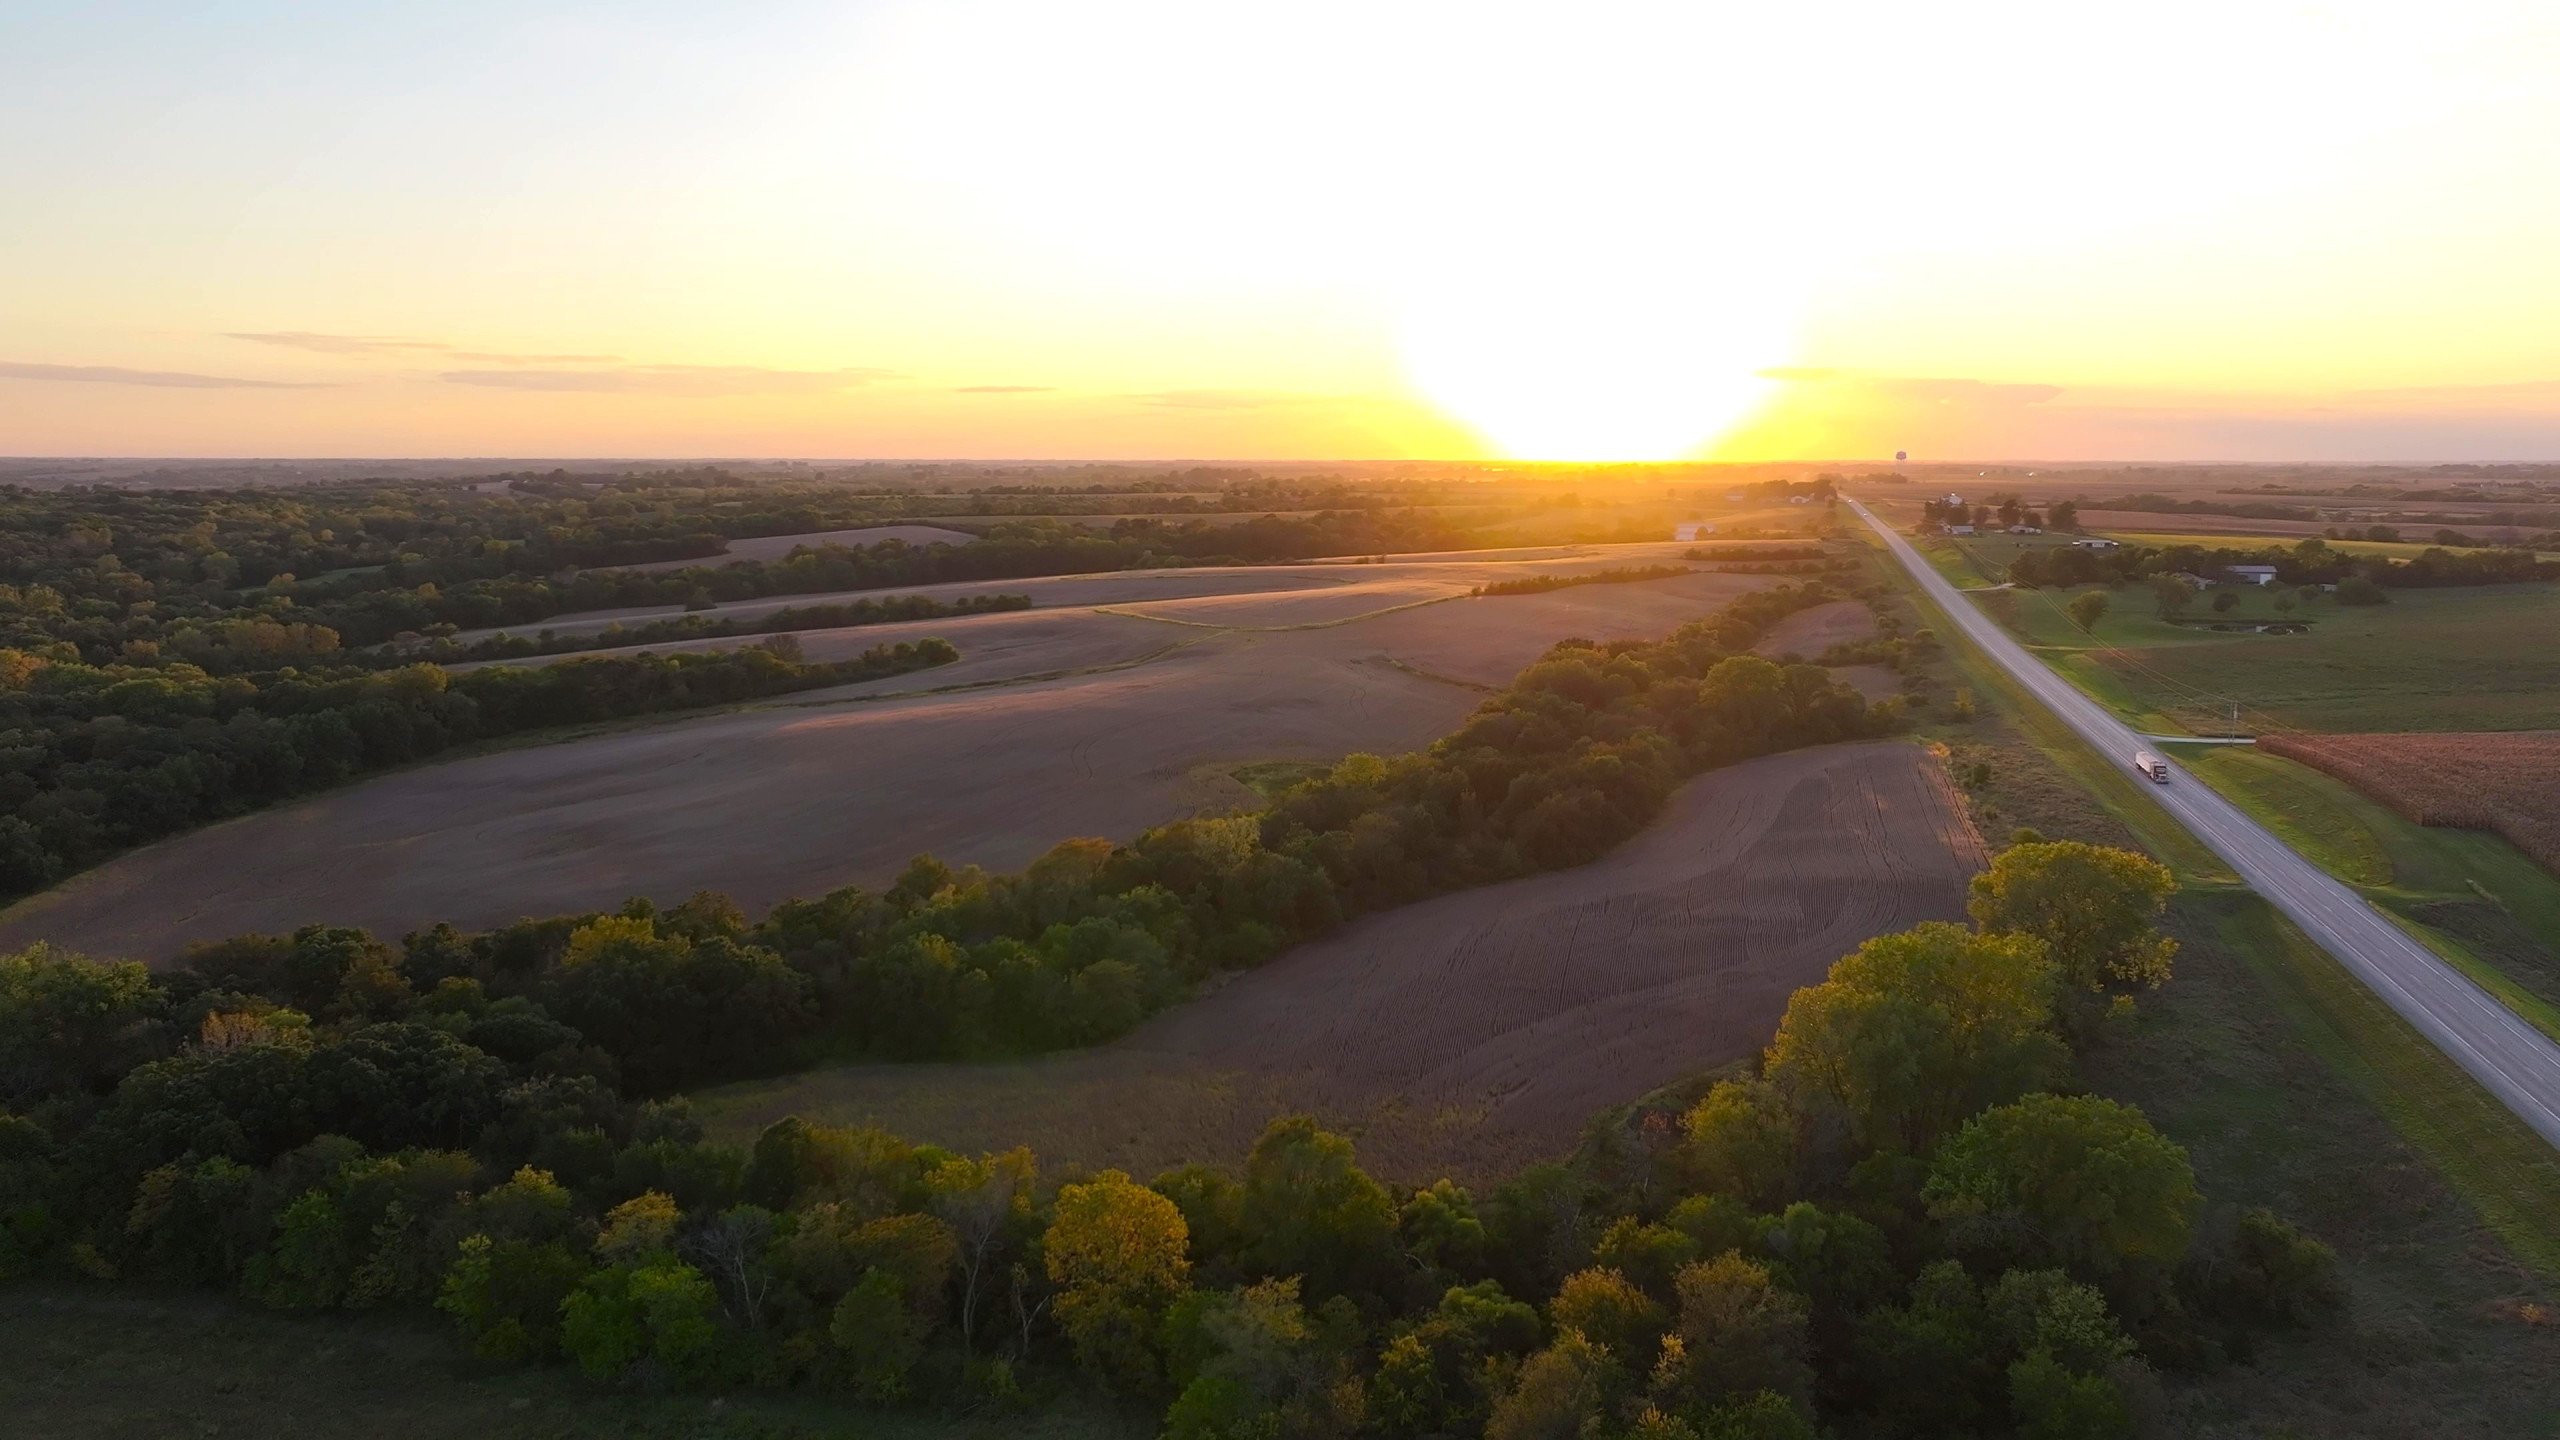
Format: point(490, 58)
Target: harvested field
point(1479, 1032)
point(2504, 781)
point(775, 547)
point(1807, 633)
point(1064, 723)
point(1443, 573)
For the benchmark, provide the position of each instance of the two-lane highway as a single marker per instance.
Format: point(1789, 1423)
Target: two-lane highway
point(2516, 1062)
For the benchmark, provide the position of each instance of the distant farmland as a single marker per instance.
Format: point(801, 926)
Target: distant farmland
point(1092, 719)
point(1478, 1032)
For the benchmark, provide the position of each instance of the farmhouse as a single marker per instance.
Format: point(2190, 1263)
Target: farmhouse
point(2095, 542)
point(2026, 529)
point(1959, 529)
point(2252, 574)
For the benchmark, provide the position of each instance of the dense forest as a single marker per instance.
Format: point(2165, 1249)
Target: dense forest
point(1902, 1222)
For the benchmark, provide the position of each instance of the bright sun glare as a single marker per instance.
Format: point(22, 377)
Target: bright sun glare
point(1573, 357)
point(1588, 230)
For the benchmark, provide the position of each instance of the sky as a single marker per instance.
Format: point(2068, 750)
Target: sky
point(1185, 229)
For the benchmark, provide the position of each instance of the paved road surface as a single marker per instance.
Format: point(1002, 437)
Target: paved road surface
point(2518, 1063)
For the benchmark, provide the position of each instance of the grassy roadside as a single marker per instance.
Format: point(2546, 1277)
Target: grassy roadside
point(2472, 898)
point(2294, 1087)
point(123, 1363)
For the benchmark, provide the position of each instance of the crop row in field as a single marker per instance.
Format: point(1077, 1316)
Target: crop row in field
point(2507, 782)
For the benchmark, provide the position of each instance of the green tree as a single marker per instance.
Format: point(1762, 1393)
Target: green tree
point(1250, 1364)
point(506, 1296)
point(71, 1023)
point(1309, 1210)
point(2051, 1401)
point(2225, 601)
point(1609, 1308)
point(1738, 1333)
point(663, 1311)
point(1651, 1256)
point(1561, 1391)
point(640, 1226)
point(876, 1335)
point(1439, 1227)
point(1442, 1374)
point(1116, 1251)
point(2095, 909)
point(2362, 590)
point(1916, 1031)
point(2172, 595)
point(1740, 1142)
point(2077, 1180)
point(2088, 608)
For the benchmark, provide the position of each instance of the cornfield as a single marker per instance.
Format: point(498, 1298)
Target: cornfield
point(2502, 781)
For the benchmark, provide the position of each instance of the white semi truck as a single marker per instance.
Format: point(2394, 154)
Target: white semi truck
point(2153, 768)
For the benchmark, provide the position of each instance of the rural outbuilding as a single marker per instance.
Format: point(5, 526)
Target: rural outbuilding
point(2252, 574)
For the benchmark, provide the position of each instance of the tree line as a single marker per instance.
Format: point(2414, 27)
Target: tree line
point(2309, 562)
point(254, 578)
point(444, 650)
point(1579, 753)
point(1541, 584)
point(1904, 1220)
point(99, 758)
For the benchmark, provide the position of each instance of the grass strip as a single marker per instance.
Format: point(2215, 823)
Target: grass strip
point(2483, 1151)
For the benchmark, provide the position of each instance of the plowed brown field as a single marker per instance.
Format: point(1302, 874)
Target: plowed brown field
point(1480, 1031)
point(2507, 781)
point(1054, 723)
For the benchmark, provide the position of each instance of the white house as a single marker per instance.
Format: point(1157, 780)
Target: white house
point(1959, 529)
point(2252, 574)
point(2026, 529)
point(2094, 542)
point(1692, 530)
point(1954, 499)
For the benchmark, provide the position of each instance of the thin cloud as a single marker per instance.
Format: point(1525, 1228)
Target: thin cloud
point(324, 344)
point(163, 379)
point(1003, 389)
point(691, 380)
point(1930, 390)
point(490, 357)
point(1970, 392)
point(1223, 399)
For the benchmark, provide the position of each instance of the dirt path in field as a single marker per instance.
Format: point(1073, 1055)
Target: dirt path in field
point(1479, 1032)
point(1052, 725)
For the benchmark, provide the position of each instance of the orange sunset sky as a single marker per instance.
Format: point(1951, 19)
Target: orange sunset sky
point(1125, 228)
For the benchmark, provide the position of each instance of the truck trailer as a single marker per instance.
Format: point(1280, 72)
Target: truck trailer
point(2153, 768)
